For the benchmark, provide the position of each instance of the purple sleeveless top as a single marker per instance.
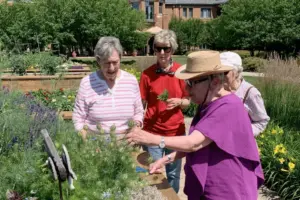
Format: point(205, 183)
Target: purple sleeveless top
point(228, 168)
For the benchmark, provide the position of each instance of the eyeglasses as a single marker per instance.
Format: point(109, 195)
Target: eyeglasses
point(166, 49)
point(192, 83)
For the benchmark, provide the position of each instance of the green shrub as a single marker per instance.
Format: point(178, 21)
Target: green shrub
point(253, 64)
point(18, 64)
point(261, 54)
point(48, 64)
point(4, 60)
point(242, 53)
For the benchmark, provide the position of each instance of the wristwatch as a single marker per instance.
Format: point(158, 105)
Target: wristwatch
point(162, 143)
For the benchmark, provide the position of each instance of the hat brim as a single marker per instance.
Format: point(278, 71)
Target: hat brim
point(181, 72)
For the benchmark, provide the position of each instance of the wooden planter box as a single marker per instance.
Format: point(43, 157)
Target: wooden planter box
point(76, 70)
point(36, 82)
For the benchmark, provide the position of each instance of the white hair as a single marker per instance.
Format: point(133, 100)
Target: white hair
point(105, 47)
point(233, 60)
point(166, 37)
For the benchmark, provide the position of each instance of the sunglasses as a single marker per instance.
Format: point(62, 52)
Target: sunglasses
point(166, 49)
point(192, 83)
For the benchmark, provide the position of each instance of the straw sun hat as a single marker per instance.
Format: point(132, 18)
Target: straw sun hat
point(201, 63)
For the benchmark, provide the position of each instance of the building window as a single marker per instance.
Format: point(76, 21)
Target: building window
point(149, 7)
point(184, 12)
point(190, 12)
point(205, 12)
point(160, 7)
point(135, 5)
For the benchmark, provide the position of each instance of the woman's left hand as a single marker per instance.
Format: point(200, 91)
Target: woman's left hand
point(173, 103)
point(138, 136)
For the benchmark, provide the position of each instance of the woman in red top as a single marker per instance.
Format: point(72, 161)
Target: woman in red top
point(164, 118)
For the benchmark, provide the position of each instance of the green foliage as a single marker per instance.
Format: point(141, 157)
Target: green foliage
point(242, 53)
point(282, 100)
point(18, 64)
point(190, 33)
point(279, 152)
point(104, 164)
point(253, 64)
point(163, 96)
point(70, 23)
point(60, 100)
point(4, 60)
point(48, 64)
point(257, 25)
point(21, 120)
point(191, 110)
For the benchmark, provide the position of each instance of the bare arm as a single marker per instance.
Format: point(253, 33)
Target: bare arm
point(191, 143)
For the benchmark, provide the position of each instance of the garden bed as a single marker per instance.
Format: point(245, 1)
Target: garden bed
point(46, 82)
point(74, 69)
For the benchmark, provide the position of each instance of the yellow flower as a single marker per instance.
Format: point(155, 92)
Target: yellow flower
point(280, 149)
point(273, 131)
point(262, 136)
point(291, 166)
point(281, 160)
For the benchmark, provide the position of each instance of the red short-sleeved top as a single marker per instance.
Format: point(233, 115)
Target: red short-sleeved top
point(157, 119)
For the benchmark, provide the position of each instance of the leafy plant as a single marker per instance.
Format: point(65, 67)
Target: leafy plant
point(18, 64)
point(60, 100)
point(280, 160)
point(49, 64)
point(163, 96)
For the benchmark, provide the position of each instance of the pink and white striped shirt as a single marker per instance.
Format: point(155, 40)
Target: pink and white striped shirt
point(97, 104)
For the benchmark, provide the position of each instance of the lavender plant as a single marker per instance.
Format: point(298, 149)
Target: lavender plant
point(21, 120)
point(105, 168)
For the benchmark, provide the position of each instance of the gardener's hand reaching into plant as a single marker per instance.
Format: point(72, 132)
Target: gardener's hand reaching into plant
point(173, 103)
point(138, 136)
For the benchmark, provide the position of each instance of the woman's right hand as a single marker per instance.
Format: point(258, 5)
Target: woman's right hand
point(158, 166)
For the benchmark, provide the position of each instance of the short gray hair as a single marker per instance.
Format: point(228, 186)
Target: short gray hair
point(105, 46)
point(166, 37)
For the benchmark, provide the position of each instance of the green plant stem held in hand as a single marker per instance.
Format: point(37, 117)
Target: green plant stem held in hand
point(163, 96)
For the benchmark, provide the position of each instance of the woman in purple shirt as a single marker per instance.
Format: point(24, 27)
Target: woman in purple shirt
point(222, 160)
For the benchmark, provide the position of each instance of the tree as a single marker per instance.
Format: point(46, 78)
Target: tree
point(258, 25)
point(71, 23)
point(190, 33)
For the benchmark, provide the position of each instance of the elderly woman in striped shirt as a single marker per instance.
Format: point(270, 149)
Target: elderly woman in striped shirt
point(110, 96)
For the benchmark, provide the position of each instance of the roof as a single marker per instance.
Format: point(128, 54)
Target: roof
point(196, 2)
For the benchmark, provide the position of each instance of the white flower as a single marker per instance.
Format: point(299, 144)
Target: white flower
point(53, 100)
point(64, 96)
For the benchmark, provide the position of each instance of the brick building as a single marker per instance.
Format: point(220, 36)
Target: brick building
point(159, 12)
